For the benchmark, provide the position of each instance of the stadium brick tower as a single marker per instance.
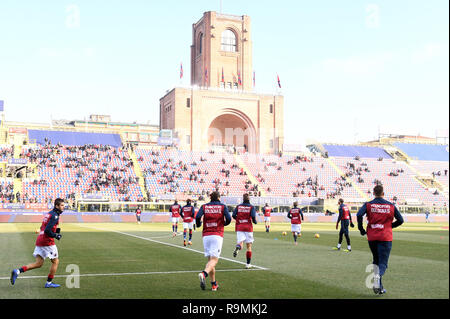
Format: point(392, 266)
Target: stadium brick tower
point(221, 107)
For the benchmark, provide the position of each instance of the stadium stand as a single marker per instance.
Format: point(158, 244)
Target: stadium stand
point(74, 138)
point(6, 191)
point(66, 171)
point(70, 170)
point(297, 176)
point(424, 152)
point(438, 170)
point(355, 150)
point(169, 171)
point(397, 178)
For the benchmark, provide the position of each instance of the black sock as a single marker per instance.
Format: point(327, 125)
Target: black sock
point(205, 273)
point(21, 270)
point(49, 279)
point(213, 283)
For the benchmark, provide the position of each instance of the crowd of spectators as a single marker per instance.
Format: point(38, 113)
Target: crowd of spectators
point(438, 173)
point(6, 192)
point(193, 177)
point(6, 152)
point(95, 167)
point(97, 170)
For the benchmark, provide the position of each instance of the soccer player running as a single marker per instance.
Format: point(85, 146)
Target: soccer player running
point(345, 218)
point(138, 215)
point(175, 211)
point(296, 216)
point(187, 213)
point(45, 245)
point(427, 213)
point(215, 217)
point(244, 214)
point(380, 215)
point(267, 210)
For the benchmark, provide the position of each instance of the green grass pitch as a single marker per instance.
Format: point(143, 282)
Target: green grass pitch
point(126, 260)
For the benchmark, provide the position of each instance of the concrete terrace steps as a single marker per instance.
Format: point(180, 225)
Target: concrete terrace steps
point(138, 172)
point(442, 188)
point(341, 173)
point(250, 176)
point(17, 188)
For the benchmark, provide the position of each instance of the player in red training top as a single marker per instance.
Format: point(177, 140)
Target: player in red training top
point(187, 213)
point(267, 210)
point(175, 211)
point(296, 217)
point(345, 218)
point(244, 214)
point(138, 215)
point(215, 217)
point(45, 245)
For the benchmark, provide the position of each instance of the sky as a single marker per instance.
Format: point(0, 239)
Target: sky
point(349, 69)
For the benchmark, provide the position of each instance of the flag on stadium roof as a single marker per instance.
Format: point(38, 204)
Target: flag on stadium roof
point(254, 79)
point(181, 70)
point(206, 75)
point(223, 78)
point(279, 83)
point(239, 78)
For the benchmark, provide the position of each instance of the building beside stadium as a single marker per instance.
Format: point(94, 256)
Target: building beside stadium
point(221, 107)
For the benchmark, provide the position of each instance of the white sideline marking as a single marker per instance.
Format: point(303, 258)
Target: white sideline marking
point(172, 245)
point(131, 273)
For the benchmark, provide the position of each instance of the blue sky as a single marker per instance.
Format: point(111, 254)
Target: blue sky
point(348, 68)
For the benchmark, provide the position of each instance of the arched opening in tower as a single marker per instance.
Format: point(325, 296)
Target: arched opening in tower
point(231, 130)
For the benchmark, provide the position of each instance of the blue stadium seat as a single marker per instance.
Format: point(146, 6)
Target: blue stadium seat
point(354, 150)
point(75, 138)
point(424, 152)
